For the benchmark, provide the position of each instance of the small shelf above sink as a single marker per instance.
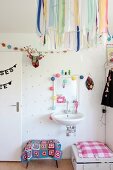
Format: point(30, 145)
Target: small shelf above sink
point(69, 119)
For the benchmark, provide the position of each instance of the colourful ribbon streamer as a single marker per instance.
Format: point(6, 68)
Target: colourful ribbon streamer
point(61, 16)
point(45, 9)
point(78, 16)
point(76, 12)
point(91, 14)
point(78, 38)
point(103, 16)
point(45, 19)
point(106, 17)
point(51, 13)
point(38, 15)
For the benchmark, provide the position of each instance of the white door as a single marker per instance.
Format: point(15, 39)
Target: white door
point(10, 106)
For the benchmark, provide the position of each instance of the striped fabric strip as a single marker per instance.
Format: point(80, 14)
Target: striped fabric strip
point(51, 13)
point(91, 14)
point(106, 17)
point(45, 9)
point(76, 12)
point(38, 15)
point(61, 15)
point(103, 10)
point(78, 38)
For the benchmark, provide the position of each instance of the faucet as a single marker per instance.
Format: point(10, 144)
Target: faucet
point(67, 107)
point(75, 105)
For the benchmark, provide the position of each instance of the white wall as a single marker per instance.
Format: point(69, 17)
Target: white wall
point(36, 96)
point(20, 16)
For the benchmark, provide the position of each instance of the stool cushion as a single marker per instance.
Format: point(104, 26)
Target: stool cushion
point(91, 149)
point(37, 149)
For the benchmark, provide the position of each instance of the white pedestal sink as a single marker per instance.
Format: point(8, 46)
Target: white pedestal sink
point(69, 119)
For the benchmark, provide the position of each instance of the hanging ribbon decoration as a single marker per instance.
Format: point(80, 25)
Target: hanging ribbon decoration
point(4, 86)
point(76, 15)
point(61, 20)
point(45, 18)
point(51, 13)
point(106, 17)
point(91, 26)
point(39, 15)
point(78, 38)
point(7, 71)
point(103, 16)
point(92, 11)
point(90, 21)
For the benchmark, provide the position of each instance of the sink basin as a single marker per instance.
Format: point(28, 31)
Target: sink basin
point(67, 118)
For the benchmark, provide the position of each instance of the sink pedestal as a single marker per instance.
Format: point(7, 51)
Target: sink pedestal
point(70, 130)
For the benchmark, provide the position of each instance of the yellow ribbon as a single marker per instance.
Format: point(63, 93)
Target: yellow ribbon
point(45, 10)
point(102, 15)
point(76, 12)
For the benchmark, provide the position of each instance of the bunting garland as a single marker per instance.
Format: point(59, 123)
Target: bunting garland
point(33, 54)
point(4, 86)
point(87, 20)
point(23, 49)
point(7, 71)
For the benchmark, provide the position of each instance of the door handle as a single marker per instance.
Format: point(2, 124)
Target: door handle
point(16, 105)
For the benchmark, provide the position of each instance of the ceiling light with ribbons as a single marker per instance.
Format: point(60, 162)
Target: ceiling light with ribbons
point(72, 24)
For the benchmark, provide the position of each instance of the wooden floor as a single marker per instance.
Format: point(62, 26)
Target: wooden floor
point(38, 165)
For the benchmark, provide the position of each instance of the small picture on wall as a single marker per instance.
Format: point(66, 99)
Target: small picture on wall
point(109, 51)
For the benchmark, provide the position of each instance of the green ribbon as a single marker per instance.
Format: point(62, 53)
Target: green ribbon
point(60, 20)
point(61, 16)
point(51, 13)
point(92, 9)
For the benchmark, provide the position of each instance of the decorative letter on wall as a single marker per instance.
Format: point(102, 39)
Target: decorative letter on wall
point(4, 86)
point(8, 71)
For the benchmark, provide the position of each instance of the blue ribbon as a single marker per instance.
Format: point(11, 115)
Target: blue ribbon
point(38, 15)
point(51, 13)
point(78, 38)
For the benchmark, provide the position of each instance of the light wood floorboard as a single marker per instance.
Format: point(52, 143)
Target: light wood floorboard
point(37, 165)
